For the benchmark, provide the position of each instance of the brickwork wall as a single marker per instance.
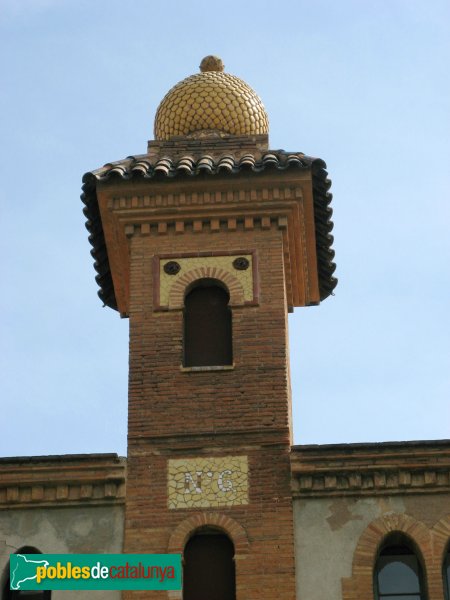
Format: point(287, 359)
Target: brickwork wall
point(243, 411)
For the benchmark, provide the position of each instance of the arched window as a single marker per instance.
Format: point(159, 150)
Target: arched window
point(398, 574)
point(446, 574)
point(209, 572)
point(207, 326)
point(8, 594)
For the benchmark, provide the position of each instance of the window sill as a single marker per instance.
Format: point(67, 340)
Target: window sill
point(207, 368)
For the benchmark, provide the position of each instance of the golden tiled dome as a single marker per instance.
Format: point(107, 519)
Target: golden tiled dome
point(210, 100)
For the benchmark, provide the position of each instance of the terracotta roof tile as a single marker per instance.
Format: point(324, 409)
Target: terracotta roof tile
point(187, 166)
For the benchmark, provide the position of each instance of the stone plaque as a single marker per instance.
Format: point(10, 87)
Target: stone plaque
point(207, 482)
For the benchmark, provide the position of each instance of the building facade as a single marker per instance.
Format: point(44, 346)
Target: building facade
point(205, 243)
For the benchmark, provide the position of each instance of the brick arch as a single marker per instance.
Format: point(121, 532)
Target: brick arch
point(233, 285)
point(360, 584)
point(441, 538)
point(188, 527)
point(441, 545)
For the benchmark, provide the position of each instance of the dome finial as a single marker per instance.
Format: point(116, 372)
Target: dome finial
point(211, 101)
point(211, 63)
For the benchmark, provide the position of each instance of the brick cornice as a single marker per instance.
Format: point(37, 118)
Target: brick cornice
point(225, 173)
point(69, 480)
point(270, 436)
point(371, 469)
point(282, 200)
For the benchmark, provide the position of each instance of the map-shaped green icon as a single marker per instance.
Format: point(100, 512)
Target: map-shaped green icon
point(24, 569)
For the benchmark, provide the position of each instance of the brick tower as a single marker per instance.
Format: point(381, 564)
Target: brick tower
point(205, 243)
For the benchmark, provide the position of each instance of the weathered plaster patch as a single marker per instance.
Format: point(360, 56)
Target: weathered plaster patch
point(385, 505)
point(326, 532)
point(341, 513)
point(65, 530)
point(428, 509)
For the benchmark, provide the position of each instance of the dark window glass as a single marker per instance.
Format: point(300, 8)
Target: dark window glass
point(209, 568)
point(397, 575)
point(447, 575)
point(207, 327)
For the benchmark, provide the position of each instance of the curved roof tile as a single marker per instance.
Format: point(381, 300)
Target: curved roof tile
point(135, 166)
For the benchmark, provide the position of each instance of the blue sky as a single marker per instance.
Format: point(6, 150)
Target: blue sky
point(363, 85)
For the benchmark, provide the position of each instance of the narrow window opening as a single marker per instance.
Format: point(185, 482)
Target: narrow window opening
point(398, 574)
point(207, 326)
point(209, 572)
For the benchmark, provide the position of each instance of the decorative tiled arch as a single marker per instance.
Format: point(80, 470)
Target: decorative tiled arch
point(242, 282)
point(233, 285)
point(189, 526)
point(360, 584)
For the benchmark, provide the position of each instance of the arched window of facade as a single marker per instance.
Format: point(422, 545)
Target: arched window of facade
point(398, 573)
point(208, 572)
point(207, 325)
point(8, 594)
point(446, 573)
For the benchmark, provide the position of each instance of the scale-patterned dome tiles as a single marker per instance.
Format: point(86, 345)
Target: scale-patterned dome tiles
point(212, 100)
